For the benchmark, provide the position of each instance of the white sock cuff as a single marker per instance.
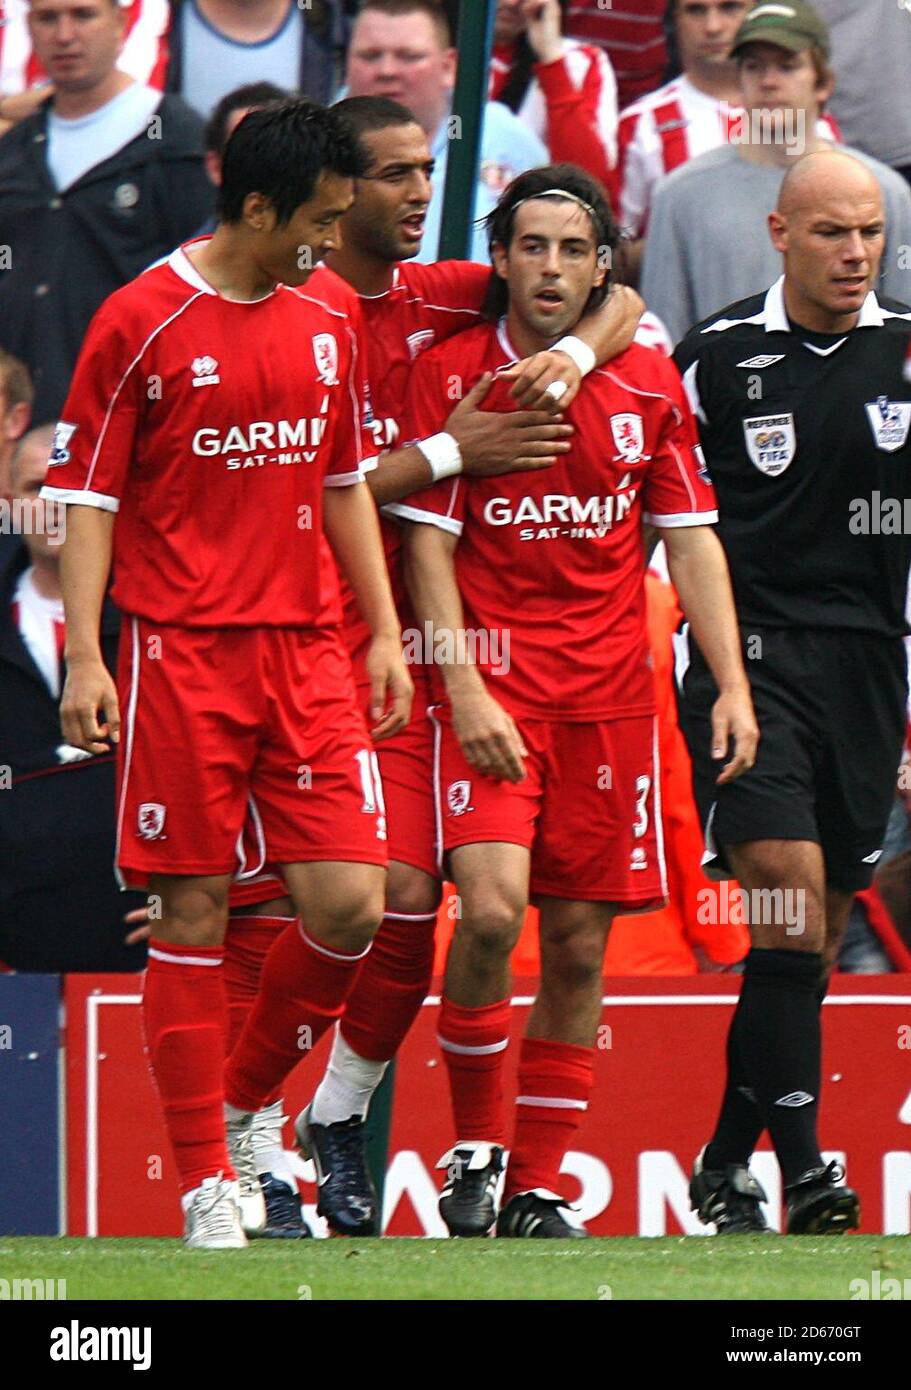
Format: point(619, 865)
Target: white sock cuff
point(333, 955)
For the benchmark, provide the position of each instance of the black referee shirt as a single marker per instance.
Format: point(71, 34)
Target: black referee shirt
point(807, 438)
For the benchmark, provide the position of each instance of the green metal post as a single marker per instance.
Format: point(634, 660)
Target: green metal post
point(475, 39)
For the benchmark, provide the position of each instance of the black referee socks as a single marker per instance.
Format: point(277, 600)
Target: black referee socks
point(740, 1124)
point(777, 1031)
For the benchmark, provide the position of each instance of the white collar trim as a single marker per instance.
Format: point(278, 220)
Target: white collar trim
point(182, 266)
point(775, 315)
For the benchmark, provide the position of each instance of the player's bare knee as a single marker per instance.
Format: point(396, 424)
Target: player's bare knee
point(194, 919)
point(574, 959)
point(349, 922)
point(492, 920)
point(411, 891)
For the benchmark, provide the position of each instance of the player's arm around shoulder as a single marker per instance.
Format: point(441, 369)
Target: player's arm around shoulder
point(450, 432)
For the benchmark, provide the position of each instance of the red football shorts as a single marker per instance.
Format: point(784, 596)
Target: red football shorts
point(588, 808)
point(406, 767)
point(222, 724)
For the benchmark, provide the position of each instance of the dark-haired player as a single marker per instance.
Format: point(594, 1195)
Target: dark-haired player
point(547, 783)
point(406, 307)
point(210, 441)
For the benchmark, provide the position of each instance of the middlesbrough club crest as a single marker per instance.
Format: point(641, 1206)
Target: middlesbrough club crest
point(629, 436)
point(151, 820)
point(457, 798)
point(325, 355)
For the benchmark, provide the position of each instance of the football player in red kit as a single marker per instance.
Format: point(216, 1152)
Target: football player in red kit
point(214, 463)
point(406, 307)
point(532, 590)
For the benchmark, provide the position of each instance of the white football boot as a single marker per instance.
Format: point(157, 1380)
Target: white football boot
point(212, 1216)
point(239, 1130)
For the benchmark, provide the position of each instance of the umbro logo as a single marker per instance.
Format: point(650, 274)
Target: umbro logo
point(764, 359)
point(871, 858)
point(205, 371)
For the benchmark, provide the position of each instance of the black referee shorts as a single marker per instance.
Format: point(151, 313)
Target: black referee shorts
point(831, 707)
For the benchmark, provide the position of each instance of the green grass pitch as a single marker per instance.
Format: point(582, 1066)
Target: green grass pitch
point(759, 1267)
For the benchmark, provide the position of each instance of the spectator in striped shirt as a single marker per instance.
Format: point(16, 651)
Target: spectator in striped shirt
point(688, 116)
point(632, 34)
point(564, 90)
point(707, 244)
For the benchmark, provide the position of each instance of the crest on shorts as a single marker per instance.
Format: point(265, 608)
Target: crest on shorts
point(60, 453)
point(458, 797)
point(771, 442)
point(151, 820)
point(889, 421)
point(629, 436)
point(325, 355)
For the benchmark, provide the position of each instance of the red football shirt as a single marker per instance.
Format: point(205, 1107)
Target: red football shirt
point(426, 305)
point(211, 426)
point(550, 564)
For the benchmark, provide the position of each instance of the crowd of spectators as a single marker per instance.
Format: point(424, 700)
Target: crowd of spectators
point(113, 121)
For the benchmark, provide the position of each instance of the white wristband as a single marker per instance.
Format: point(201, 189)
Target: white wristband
point(443, 454)
point(580, 352)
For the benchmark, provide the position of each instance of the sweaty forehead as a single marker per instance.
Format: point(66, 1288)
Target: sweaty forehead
point(553, 218)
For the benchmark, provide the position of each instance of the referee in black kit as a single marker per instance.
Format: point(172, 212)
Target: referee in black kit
point(804, 417)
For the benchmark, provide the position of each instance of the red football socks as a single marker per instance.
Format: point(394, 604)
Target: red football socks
point(303, 989)
point(247, 943)
point(474, 1043)
point(185, 1019)
point(555, 1082)
point(391, 987)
